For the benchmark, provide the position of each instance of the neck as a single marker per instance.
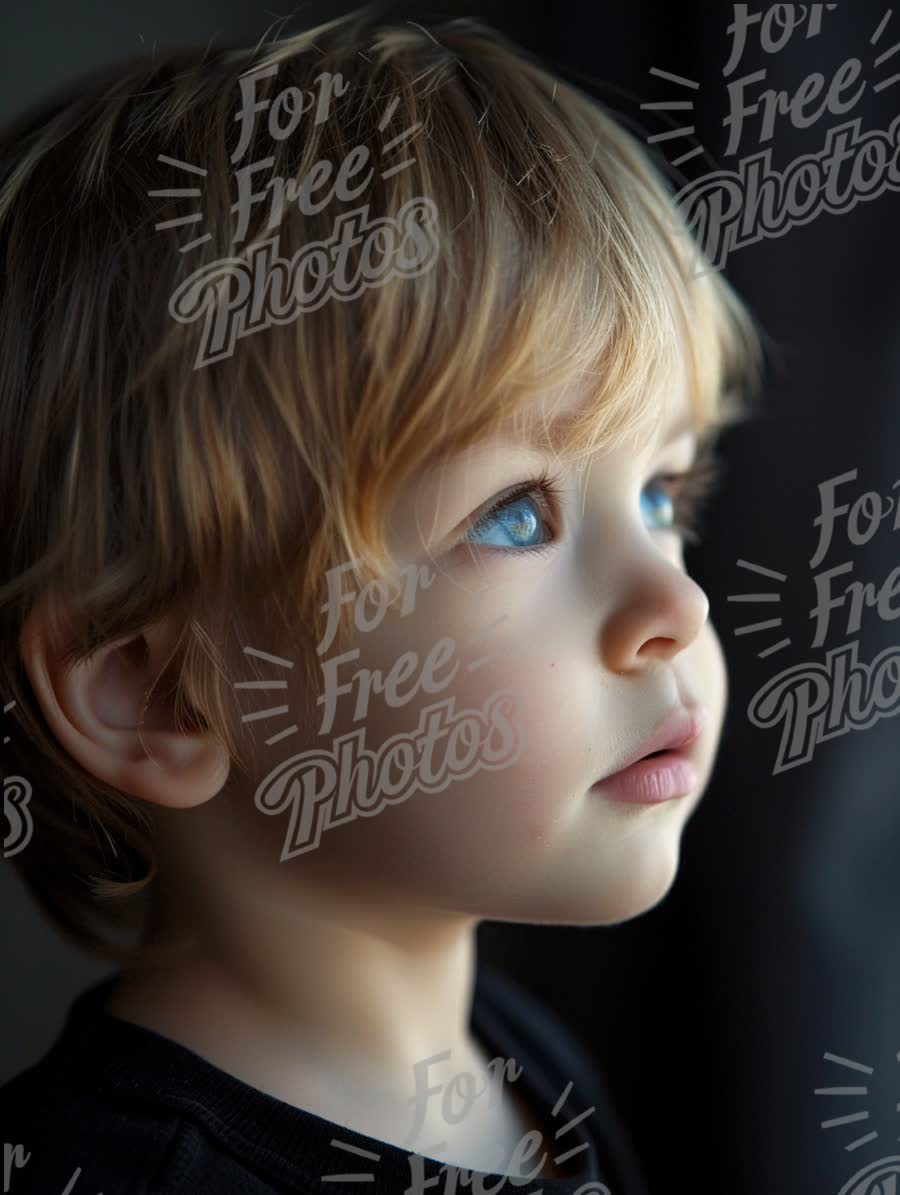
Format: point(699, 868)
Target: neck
point(357, 988)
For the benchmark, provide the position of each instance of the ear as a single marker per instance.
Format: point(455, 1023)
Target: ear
point(99, 712)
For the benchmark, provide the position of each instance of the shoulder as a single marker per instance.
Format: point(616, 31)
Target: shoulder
point(65, 1130)
point(116, 1109)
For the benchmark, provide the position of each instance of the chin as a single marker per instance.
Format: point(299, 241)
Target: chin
point(651, 883)
point(646, 881)
point(643, 884)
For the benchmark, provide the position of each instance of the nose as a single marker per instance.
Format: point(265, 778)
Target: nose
point(658, 614)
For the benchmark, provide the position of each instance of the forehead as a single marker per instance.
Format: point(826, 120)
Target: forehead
point(550, 417)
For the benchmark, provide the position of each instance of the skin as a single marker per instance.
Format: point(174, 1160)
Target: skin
point(325, 979)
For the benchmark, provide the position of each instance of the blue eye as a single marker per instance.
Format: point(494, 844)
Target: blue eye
point(519, 522)
point(658, 508)
point(513, 525)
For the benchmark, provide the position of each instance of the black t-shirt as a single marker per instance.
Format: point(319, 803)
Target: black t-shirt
point(115, 1109)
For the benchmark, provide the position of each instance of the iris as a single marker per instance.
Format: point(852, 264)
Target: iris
point(659, 510)
point(513, 525)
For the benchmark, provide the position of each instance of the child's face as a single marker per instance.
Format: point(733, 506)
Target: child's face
point(598, 638)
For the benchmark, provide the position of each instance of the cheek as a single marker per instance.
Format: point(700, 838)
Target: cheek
point(490, 807)
point(519, 802)
point(549, 706)
point(705, 676)
point(715, 671)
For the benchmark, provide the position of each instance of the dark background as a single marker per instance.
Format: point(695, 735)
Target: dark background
point(711, 1014)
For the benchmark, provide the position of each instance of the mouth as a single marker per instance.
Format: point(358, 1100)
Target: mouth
point(662, 768)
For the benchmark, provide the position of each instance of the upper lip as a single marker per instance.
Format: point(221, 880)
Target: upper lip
point(680, 727)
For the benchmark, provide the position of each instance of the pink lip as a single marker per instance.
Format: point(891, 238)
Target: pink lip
point(671, 774)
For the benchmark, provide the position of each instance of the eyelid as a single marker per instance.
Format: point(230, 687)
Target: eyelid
point(675, 450)
point(507, 497)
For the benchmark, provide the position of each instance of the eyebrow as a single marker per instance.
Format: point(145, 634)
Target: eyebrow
point(558, 428)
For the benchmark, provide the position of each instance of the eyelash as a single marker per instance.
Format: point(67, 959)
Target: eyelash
point(687, 492)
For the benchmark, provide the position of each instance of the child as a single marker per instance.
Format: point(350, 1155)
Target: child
point(356, 394)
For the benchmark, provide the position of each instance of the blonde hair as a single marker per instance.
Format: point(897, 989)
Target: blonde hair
point(142, 486)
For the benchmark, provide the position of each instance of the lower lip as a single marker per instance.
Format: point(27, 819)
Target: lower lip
point(651, 781)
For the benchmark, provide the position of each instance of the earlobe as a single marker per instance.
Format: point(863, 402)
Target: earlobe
point(113, 715)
